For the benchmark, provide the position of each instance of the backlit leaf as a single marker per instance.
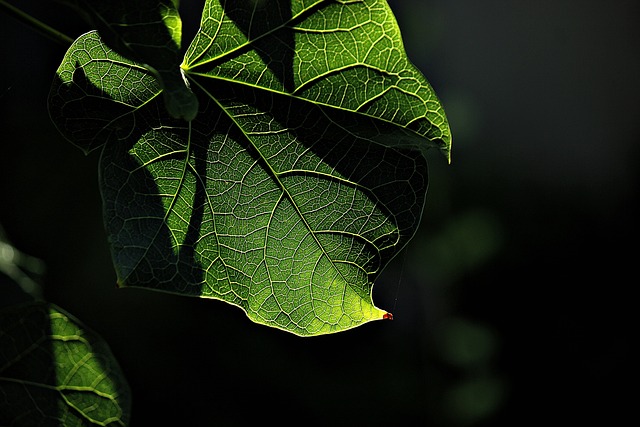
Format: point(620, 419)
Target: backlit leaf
point(302, 174)
point(54, 371)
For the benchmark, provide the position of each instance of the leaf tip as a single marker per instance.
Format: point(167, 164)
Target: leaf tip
point(444, 146)
point(387, 316)
point(447, 155)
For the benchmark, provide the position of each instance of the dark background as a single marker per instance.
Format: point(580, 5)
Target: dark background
point(513, 303)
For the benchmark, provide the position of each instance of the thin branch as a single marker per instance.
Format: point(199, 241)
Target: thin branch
point(35, 24)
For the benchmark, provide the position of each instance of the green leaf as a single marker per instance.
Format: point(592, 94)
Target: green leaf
point(149, 32)
point(301, 176)
point(346, 54)
point(54, 371)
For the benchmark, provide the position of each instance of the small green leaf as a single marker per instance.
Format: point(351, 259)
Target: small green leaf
point(54, 371)
point(148, 32)
point(302, 175)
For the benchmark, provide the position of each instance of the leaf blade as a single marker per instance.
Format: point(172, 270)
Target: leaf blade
point(52, 368)
point(347, 55)
point(148, 32)
point(96, 92)
point(266, 245)
point(276, 201)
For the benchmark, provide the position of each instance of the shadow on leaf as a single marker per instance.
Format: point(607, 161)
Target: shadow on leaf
point(55, 371)
point(145, 250)
point(256, 18)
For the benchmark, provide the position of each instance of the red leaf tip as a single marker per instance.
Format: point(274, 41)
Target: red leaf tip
point(387, 316)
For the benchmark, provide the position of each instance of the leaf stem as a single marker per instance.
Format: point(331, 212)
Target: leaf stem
point(35, 24)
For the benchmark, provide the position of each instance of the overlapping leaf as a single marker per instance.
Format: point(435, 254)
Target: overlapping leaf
point(150, 33)
point(302, 174)
point(53, 371)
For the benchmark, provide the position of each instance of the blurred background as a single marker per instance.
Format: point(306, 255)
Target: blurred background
point(512, 304)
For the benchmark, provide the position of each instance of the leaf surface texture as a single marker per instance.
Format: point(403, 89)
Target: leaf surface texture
point(301, 175)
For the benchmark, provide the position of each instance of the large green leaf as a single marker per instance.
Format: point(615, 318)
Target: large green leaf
point(301, 176)
point(56, 372)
